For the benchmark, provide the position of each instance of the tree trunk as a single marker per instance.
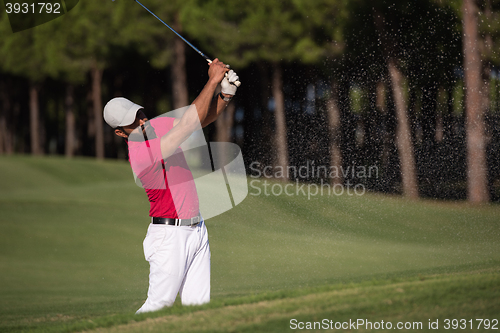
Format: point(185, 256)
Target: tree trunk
point(372, 119)
point(4, 144)
point(89, 120)
point(3, 129)
point(223, 125)
point(403, 134)
point(6, 123)
point(403, 131)
point(474, 113)
point(335, 135)
point(69, 107)
point(179, 79)
point(36, 147)
point(4, 109)
point(428, 156)
point(266, 135)
point(381, 105)
point(448, 119)
point(97, 106)
point(429, 116)
point(279, 114)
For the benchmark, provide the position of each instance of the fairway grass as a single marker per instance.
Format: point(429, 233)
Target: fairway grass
point(364, 307)
point(71, 257)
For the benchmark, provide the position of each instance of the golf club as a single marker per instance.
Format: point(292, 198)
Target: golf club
point(236, 83)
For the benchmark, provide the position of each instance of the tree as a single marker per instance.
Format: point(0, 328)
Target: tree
point(88, 44)
point(164, 47)
point(403, 131)
point(179, 77)
point(280, 138)
point(323, 38)
point(255, 31)
point(152, 39)
point(20, 57)
point(477, 171)
point(52, 40)
point(213, 26)
point(334, 122)
point(6, 131)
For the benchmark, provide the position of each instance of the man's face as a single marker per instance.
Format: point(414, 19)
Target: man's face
point(140, 120)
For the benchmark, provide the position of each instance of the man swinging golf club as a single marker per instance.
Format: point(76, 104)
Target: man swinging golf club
point(176, 245)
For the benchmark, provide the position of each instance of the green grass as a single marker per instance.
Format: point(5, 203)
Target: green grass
point(409, 301)
point(71, 258)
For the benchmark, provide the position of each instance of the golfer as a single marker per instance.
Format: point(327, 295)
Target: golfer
point(176, 245)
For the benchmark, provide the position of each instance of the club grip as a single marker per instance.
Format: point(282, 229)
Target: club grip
point(236, 83)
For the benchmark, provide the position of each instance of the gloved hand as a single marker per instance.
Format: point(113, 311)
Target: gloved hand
point(228, 83)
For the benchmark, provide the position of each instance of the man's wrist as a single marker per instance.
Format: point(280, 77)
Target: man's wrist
point(225, 97)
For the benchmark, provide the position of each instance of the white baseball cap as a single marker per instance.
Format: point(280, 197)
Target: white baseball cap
point(120, 112)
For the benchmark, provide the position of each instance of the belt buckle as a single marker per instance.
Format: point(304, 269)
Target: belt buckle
point(195, 220)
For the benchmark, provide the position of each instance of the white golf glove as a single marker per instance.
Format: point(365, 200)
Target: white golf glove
point(228, 83)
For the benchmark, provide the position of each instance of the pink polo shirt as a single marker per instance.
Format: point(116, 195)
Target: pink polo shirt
point(169, 184)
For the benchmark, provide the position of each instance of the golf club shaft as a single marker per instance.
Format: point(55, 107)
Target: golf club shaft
point(175, 32)
point(237, 83)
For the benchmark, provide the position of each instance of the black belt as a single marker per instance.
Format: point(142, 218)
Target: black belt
point(178, 222)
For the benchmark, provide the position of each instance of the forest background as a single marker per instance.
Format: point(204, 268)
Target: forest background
point(409, 87)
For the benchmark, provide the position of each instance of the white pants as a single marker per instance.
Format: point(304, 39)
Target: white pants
point(179, 261)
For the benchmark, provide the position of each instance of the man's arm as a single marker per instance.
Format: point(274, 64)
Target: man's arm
point(216, 107)
point(195, 114)
point(218, 104)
